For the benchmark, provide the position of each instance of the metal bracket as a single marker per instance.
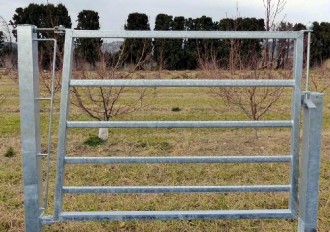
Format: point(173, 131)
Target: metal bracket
point(48, 220)
point(57, 29)
point(306, 101)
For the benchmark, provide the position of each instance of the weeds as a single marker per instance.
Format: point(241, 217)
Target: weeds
point(93, 141)
point(176, 109)
point(10, 152)
point(156, 143)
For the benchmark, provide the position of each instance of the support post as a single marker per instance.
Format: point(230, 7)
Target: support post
point(62, 131)
point(30, 125)
point(295, 116)
point(310, 168)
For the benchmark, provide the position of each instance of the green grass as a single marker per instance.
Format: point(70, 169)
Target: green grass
point(10, 125)
point(93, 141)
point(194, 104)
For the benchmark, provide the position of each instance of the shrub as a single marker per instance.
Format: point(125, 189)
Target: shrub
point(10, 152)
point(93, 141)
point(176, 109)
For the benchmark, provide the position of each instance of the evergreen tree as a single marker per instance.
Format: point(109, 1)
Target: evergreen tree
point(89, 49)
point(137, 51)
point(283, 46)
point(299, 27)
point(163, 47)
point(205, 51)
point(43, 16)
point(179, 59)
point(241, 53)
point(250, 48)
point(200, 52)
point(320, 43)
point(1, 41)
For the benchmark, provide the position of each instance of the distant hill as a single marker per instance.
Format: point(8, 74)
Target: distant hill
point(112, 47)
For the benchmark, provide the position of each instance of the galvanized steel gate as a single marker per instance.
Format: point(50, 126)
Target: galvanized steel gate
point(305, 210)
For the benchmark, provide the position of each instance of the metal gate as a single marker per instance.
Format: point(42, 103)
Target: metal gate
point(305, 210)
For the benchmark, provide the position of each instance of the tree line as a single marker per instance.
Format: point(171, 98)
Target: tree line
point(173, 54)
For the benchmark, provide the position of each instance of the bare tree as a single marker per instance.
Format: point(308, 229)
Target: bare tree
point(283, 47)
point(4, 27)
point(7, 37)
point(253, 102)
point(273, 8)
point(317, 80)
point(207, 56)
point(105, 103)
point(45, 76)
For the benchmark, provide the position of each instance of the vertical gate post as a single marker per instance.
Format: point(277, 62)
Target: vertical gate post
point(310, 168)
point(30, 125)
point(295, 115)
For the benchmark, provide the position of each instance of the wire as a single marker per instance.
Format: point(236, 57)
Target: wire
point(307, 61)
point(49, 135)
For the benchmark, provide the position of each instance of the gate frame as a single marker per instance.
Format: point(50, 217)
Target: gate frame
point(30, 127)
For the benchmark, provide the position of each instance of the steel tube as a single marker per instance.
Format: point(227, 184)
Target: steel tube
point(309, 41)
point(295, 117)
point(62, 132)
point(178, 159)
point(178, 124)
point(175, 215)
point(30, 126)
point(174, 189)
point(182, 83)
point(186, 34)
point(311, 159)
point(49, 134)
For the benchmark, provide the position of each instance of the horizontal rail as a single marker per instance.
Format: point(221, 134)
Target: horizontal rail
point(43, 98)
point(182, 83)
point(177, 159)
point(178, 124)
point(186, 34)
point(174, 189)
point(171, 215)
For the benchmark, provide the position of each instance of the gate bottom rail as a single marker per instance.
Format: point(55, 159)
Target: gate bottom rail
point(170, 215)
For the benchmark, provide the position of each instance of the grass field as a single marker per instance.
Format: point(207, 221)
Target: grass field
point(163, 104)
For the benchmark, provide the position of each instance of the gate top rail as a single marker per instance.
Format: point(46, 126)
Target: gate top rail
point(181, 83)
point(186, 34)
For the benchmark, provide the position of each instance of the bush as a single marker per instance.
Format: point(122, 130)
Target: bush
point(94, 141)
point(176, 109)
point(10, 152)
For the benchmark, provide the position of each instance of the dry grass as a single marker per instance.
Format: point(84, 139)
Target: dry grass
point(195, 104)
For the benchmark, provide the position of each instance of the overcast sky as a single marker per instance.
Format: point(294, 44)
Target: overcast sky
point(113, 13)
